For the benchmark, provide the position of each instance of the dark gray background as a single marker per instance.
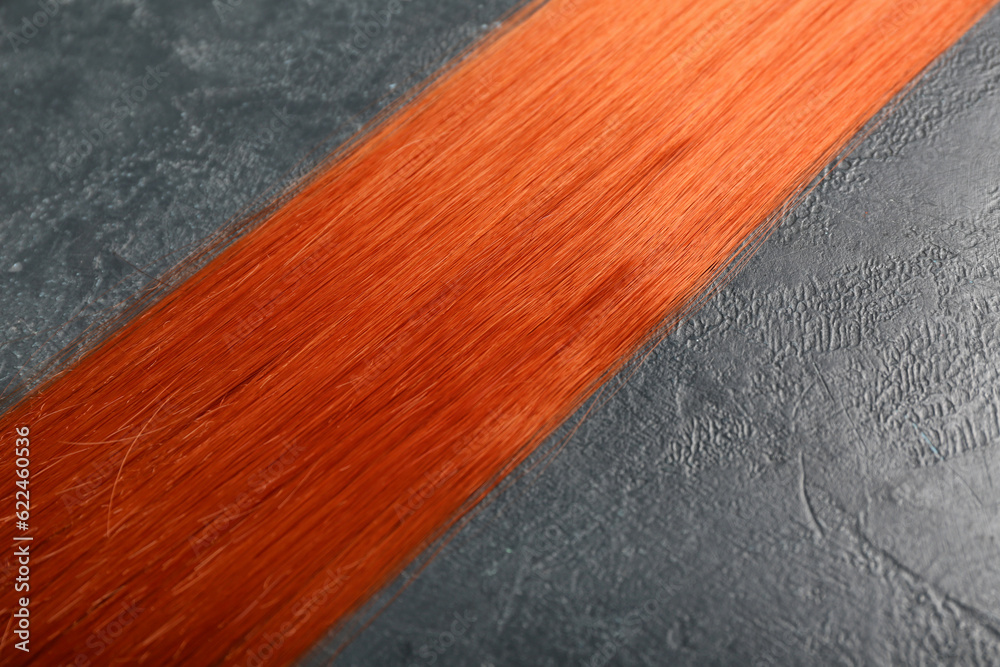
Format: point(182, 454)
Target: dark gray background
point(801, 474)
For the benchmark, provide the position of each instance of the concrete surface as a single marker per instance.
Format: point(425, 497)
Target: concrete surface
point(802, 474)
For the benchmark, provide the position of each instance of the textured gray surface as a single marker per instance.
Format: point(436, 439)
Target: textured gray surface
point(99, 193)
point(801, 474)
